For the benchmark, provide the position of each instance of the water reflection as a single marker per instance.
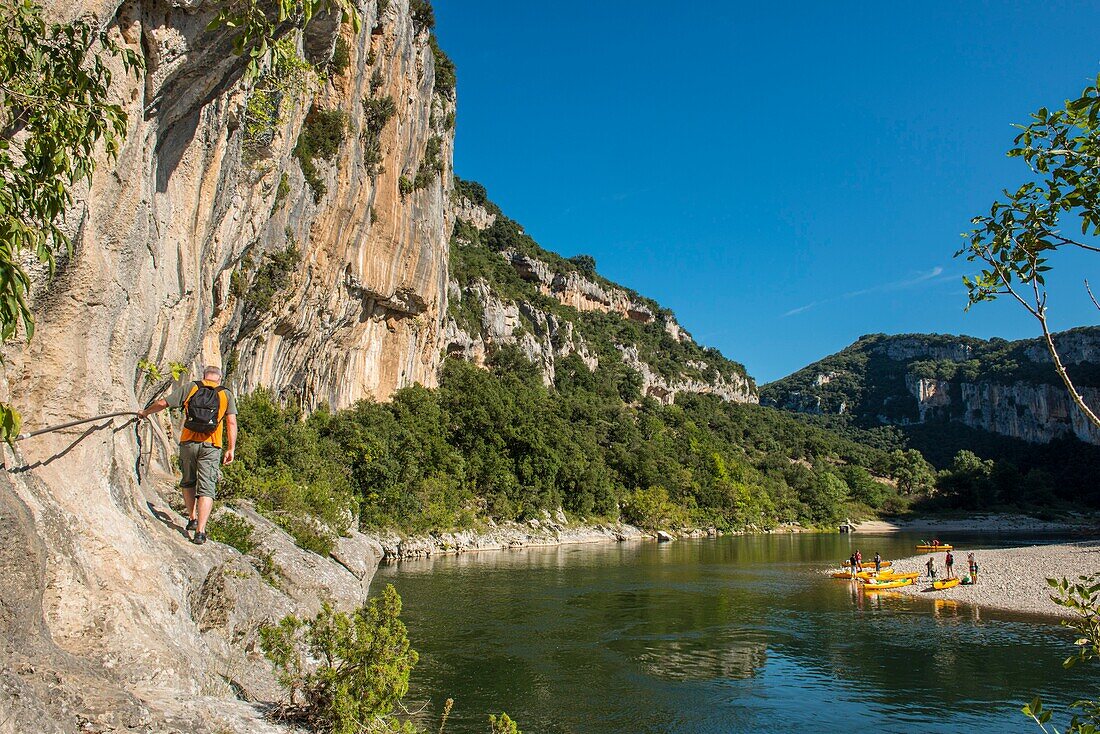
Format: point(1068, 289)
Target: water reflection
point(724, 635)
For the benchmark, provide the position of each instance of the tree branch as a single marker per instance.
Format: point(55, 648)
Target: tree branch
point(1087, 288)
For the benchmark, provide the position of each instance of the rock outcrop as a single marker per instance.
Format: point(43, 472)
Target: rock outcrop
point(111, 620)
point(1006, 388)
point(483, 318)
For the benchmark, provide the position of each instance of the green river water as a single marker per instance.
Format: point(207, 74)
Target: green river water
point(734, 634)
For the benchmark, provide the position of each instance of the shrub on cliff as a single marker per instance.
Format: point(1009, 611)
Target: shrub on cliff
point(344, 673)
point(322, 135)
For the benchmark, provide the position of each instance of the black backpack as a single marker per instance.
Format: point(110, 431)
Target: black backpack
point(203, 409)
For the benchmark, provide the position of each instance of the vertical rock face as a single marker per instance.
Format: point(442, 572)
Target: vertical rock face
point(171, 241)
point(120, 620)
point(1007, 388)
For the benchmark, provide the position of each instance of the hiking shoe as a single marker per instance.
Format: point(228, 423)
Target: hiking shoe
point(192, 524)
point(199, 538)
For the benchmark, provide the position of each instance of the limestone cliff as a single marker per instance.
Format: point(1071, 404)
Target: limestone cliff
point(1006, 388)
point(206, 243)
point(506, 290)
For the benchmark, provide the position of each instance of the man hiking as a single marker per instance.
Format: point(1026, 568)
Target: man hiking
point(206, 406)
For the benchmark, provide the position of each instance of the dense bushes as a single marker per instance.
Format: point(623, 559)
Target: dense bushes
point(347, 673)
point(294, 473)
point(498, 443)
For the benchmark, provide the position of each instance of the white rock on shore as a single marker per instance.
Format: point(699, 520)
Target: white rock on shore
point(508, 535)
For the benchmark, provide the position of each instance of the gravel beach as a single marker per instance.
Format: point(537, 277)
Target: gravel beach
point(1009, 578)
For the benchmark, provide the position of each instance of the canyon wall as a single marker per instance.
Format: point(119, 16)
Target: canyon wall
point(205, 244)
point(1006, 388)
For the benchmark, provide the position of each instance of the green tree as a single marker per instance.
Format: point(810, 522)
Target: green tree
point(1016, 241)
point(912, 472)
point(503, 725)
point(54, 113)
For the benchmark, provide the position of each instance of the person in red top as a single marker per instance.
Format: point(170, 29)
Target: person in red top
point(207, 406)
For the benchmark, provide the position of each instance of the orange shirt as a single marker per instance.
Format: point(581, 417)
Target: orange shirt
point(225, 408)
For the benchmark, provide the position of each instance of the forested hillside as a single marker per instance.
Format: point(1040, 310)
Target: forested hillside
point(999, 401)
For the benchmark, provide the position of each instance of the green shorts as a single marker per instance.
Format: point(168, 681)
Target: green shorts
point(201, 467)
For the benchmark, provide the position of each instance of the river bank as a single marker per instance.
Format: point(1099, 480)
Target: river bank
point(538, 533)
point(984, 522)
point(532, 534)
point(1012, 579)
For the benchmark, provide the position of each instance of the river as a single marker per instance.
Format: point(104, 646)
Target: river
point(734, 634)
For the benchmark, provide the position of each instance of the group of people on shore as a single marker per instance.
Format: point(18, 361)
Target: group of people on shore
point(855, 561)
point(949, 568)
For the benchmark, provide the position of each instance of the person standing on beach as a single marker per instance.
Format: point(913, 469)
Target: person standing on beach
point(973, 567)
point(949, 561)
point(859, 560)
point(878, 562)
point(931, 566)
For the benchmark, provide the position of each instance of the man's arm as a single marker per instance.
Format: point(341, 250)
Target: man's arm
point(158, 405)
point(231, 436)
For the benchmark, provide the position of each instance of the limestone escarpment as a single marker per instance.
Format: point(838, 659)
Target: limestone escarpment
point(1036, 413)
point(1006, 388)
point(120, 621)
point(506, 290)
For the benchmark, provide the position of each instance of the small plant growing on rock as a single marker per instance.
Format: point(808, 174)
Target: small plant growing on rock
point(323, 133)
point(344, 673)
point(233, 530)
point(503, 725)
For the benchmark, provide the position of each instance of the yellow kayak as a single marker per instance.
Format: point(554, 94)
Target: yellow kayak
point(878, 586)
point(934, 548)
point(842, 575)
point(884, 564)
point(946, 583)
point(913, 576)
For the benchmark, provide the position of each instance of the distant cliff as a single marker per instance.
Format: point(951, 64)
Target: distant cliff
point(507, 290)
point(1006, 388)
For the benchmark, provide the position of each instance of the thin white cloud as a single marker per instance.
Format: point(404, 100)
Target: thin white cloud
point(894, 285)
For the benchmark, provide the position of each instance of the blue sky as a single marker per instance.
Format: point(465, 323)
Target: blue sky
point(785, 176)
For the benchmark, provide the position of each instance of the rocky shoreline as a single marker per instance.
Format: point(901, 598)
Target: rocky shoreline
point(550, 530)
point(1010, 579)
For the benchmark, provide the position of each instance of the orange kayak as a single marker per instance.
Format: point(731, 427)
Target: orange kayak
point(873, 586)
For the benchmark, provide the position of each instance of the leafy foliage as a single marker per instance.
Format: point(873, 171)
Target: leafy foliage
point(1016, 241)
point(322, 134)
point(377, 111)
point(270, 278)
point(1082, 599)
point(288, 76)
point(233, 530)
point(54, 113)
point(501, 444)
point(293, 473)
point(255, 32)
point(345, 674)
point(423, 15)
point(503, 725)
point(445, 76)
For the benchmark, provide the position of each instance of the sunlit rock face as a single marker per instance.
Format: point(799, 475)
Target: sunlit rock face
point(114, 619)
